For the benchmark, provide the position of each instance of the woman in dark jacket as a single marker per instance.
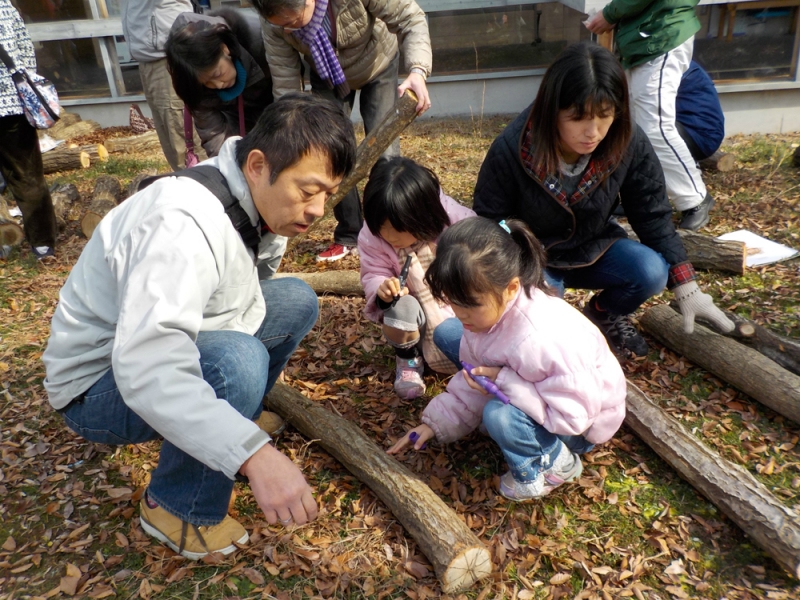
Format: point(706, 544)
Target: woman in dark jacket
point(562, 166)
point(219, 69)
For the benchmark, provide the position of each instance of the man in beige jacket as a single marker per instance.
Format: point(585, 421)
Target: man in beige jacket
point(351, 45)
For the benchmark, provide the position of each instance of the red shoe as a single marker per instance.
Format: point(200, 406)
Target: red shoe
point(334, 252)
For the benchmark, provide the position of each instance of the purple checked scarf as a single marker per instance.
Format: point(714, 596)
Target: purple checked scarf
point(316, 38)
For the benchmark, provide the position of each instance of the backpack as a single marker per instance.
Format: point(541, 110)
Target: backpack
point(215, 182)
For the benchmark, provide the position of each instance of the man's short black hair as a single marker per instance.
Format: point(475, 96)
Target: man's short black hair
point(295, 125)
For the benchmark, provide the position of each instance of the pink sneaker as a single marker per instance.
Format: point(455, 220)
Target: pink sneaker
point(334, 252)
point(408, 383)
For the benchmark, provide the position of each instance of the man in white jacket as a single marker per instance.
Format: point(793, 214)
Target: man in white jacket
point(163, 329)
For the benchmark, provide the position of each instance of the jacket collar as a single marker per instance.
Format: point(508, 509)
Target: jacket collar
point(225, 161)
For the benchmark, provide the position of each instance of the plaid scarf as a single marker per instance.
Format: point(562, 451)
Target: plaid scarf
point(424, 253)
point(318, 40)
point(595, 173)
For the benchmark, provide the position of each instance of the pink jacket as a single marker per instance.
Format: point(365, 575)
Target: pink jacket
point(379, 260)
point(557, 369)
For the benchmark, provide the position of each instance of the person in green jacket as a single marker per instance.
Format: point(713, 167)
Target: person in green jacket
point(655, 39)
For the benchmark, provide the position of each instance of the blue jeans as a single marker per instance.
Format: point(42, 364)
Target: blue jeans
point(628, 273)
point(527, 446)
point(447, 337)
point(241, 368)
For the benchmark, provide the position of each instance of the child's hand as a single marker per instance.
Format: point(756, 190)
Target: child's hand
point(424, 433)
point(391, 288)
point(488, 372)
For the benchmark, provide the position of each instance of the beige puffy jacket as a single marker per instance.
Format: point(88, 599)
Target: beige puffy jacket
point(365, 42)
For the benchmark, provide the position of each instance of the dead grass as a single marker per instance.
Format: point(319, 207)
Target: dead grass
point(629, 527)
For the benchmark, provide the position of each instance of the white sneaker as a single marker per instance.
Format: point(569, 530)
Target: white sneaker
point(566, 467)
point(408, 383)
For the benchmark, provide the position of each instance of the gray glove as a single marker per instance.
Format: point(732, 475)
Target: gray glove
point(694, 303)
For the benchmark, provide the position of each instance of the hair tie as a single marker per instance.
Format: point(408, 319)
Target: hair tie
point(504, 226)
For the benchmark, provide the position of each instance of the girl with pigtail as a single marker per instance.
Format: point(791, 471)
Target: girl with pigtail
point(564, 388)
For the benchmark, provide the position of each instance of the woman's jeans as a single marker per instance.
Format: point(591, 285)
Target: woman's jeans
point(628, 273)
point(527, 446)
point(241, 368)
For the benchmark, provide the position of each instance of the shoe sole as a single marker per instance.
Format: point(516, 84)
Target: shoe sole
point(151, 530)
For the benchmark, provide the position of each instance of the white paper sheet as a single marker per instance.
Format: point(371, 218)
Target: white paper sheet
point(760, 250)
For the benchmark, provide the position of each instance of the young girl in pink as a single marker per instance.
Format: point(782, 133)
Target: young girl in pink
point(405, 212)
point(565, 388)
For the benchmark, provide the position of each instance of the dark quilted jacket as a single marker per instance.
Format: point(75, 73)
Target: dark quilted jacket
point(577, 236)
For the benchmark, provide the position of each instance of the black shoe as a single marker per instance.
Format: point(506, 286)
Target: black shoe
point(618, 329)
point(697, 217)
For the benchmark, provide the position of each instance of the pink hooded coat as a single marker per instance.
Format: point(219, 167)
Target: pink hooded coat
point(379, 260)
point(556, 368)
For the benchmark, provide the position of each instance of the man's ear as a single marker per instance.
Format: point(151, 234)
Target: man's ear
point(256, 167)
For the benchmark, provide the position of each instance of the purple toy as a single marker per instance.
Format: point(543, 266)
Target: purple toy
point(486, 383)
point(414, 436)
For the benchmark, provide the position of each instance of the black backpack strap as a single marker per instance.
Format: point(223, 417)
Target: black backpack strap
point(215, 182)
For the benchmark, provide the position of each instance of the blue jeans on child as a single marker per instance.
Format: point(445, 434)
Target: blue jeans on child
point(527, 446)
point(628, 273)
point(241, 368)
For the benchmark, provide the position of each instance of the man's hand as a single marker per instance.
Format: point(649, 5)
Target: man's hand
point(598, 24)
point(389, 288)
point(279, 487)
point(416, 83)
point(488, 372)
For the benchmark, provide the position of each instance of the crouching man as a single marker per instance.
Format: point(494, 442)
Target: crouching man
point(163, 329)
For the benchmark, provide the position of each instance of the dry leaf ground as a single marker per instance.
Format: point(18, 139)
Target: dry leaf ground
point(629, 528)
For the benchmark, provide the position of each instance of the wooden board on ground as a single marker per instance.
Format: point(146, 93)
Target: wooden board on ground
point(743, 499)
point(746, 369)
point(457, 555)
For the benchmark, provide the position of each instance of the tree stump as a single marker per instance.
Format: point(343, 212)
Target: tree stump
point(719, 161)
point(707, 252)
point(342, 283)
point(77, 129)
point(743, 499)
point(11, 234)
point(64, 197)
point(369, 151)
point(135, 143)
point(107, 191)
point(744, 368)
point(457, 555)
point(64, 159)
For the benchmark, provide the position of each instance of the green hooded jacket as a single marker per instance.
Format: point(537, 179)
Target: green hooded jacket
point(646, 29)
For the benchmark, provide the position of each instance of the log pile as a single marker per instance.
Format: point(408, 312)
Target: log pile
point(76, 129)
point(65, 205)
point(719, 161)
point(62, 158)
point(144, 142)
point(458, 557)
point(11, 234)
point(65, 120)
point(106, 194)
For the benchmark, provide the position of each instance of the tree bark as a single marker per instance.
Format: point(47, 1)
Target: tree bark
point(342, 283)
point(457, 555)
point(107, 191)
point(64, 197)
point(135, 143)
point(11, 234)
point(719, 161)
point(743, 499)
point(750, 371)
point(64, 159)
point(96, 152)
point(706, 252)
point(369, 151)
point(65, 120)
point(77, 129)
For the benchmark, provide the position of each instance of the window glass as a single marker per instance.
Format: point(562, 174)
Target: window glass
point(74, 66)
point(737, 43)
point(40, 11)
point(502, 39)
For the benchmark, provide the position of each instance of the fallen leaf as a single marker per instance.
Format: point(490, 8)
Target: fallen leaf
point(69, 585)
point(10, 545)
point(560, 578)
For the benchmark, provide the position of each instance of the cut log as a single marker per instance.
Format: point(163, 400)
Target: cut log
point(96, 152)
point(135, 143)
point(64, 159)
point(342, 283)
point(64, 203)
point(65, 119)
point(733, 490)
point(796, 157)
point(457, 555)
point(75, 130)
point(11, 234)
point(750, 371)
point(706, 252)
point(369, 151)
point(133, 186)
point(719, 161)
point(105, 195)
